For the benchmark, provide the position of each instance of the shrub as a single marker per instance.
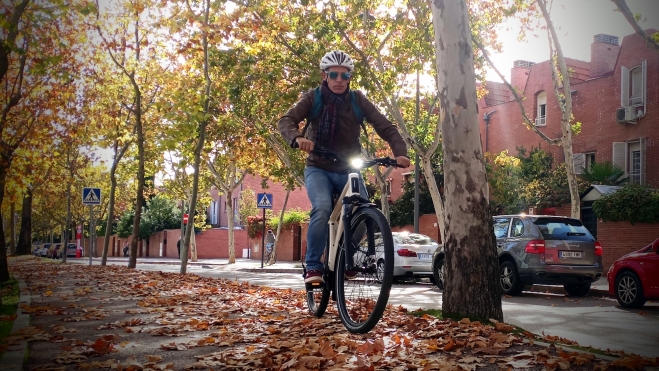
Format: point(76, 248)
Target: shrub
point(254, 226)
point(632, 203)
point(291, 217)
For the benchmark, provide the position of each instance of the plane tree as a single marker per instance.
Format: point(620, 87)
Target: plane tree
point(129, 35)
point(38, 66)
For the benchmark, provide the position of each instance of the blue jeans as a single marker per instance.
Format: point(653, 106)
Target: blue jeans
point(321, 185)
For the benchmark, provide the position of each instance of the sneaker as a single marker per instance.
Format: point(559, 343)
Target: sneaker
point(349, 274)
point(313, 275)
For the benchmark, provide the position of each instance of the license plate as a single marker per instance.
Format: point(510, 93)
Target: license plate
point(571, 254)
point(423, 256)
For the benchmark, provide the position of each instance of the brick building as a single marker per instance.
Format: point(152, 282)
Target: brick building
point(615, 97)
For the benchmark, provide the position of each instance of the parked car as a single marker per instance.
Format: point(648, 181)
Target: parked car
point(71, 250)
point(412, 255)
point(36, 249)
point(634, 278)
point(55, 251)
point(437, 267)
point(43, 252)
point(541, 249)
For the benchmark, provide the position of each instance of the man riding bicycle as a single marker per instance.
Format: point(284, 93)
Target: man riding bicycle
point(336, 128)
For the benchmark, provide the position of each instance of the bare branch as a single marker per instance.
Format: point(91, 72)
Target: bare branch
point(624, 9)
point(527, 121)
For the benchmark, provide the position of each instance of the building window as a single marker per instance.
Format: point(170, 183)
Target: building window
point(213, 212)
point(236, 214)
point(583, 161)
point(590, 159)
point(541, 113)
point(633, 85)
point(409, 177)
point(631, 157)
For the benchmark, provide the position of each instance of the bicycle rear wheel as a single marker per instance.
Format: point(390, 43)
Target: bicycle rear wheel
point(362, 299)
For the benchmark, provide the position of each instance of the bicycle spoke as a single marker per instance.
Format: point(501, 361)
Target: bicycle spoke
point(362, 299)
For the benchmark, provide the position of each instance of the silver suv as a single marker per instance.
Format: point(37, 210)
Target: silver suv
point(549, 250)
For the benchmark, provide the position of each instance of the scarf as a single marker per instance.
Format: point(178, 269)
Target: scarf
point(329, 116)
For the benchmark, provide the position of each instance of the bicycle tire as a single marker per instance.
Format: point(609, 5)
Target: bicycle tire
point(318, 298)
point(361, 300)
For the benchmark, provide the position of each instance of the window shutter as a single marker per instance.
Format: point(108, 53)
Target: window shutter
point(620, 155)
point(643, 142)
point(579, 160)
point(624, 87)
point(644, 68)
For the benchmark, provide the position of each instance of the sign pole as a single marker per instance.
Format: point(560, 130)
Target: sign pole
point(263, 240)
point(91, 221)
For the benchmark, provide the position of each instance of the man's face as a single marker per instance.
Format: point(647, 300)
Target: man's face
point(337, 85)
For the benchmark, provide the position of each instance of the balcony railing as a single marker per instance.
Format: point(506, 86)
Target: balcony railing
point(540, 121)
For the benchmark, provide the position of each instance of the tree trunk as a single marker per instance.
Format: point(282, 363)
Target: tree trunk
point(471, 282)
point(113, 187)
point(139, 199)
point(25, 235)
point(4, 268)
point(232, 246)
point(565, 104)
point(273, 256)
point(200, 142)
point(435, 194)
point(67, 223)
point(12, 229)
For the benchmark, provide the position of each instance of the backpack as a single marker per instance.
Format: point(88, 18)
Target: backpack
point(317, 108)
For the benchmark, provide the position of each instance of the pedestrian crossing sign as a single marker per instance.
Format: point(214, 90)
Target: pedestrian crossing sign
point(91, 196)
point(264, 200)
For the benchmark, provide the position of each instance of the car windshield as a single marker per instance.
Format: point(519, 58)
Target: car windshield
point(563, 229)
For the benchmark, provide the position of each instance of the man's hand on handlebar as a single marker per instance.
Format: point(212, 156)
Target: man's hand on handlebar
point(403, 161)
point(305, 144)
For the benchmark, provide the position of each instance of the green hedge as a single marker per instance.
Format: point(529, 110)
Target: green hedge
point(632, 203)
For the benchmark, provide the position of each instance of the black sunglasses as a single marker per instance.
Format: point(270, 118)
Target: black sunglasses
point(344, 75)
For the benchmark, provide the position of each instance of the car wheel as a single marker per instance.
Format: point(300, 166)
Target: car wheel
point(577, 290)
point(509, 279)
point(438, 273)
point(379, 274)
point(629, 291)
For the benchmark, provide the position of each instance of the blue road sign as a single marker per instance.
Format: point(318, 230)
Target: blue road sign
point(91, 196)
point(264, 200)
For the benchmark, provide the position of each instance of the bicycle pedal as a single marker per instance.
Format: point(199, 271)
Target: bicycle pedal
point(314, 285)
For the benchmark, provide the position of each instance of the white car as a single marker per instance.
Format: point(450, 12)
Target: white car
point(413, 254)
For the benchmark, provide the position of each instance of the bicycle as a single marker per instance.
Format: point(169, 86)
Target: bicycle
point(270, 254)
point(361, 299)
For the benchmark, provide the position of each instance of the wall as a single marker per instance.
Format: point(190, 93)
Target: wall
point(621, 238)
point(427, 225)
point(594, 105)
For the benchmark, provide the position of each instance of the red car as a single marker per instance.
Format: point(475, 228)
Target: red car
point(634, 278)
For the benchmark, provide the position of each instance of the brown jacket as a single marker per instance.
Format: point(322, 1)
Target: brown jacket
point(346, 141)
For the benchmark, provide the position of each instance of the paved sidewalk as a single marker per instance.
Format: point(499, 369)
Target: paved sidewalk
point(599, 287)
point(75, 304)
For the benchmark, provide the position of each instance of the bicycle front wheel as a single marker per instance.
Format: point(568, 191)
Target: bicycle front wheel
point(362, 291)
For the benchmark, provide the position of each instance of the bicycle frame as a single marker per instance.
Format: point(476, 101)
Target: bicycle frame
point(336, 227)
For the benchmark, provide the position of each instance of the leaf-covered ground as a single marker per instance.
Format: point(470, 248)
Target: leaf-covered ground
point(95, 318)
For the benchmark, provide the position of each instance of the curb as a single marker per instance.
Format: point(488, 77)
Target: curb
point(559, 290)
point(13, 358)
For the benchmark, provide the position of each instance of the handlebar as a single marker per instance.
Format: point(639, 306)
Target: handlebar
point(329, 154)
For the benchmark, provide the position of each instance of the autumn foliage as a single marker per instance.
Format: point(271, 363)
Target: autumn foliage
point(95, 317)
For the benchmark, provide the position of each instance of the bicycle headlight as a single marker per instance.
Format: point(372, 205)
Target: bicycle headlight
point(357, 163)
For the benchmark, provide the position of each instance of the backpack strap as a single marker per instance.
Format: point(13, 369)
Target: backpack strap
point(317, 107)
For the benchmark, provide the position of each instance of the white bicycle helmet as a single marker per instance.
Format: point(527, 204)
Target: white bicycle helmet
point(336, 58)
